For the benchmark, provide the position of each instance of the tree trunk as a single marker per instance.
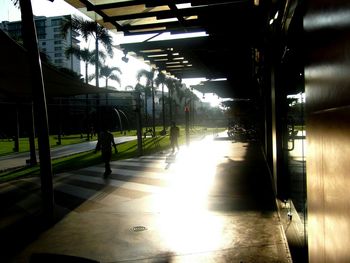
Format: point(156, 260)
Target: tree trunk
point(59, 134)
point(97, 83)
point(146, 114)
point(170, 105)
point(153, 112)
point(96, 54)
point(106, 93)
point(163, 107)
point(86, 73)
point(16, 136)
point(31, 132)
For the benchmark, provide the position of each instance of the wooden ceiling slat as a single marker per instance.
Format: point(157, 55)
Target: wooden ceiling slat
point(169, 26)
point(158, 14)
point(88, 5)
point(116, 5)
point(157, 31)
point(129, 33)
point(148, 21)
point(145, 26)
point(148, 3)
point(132, 10)
point(153, 3)
point(218, 2)
point(179, 44)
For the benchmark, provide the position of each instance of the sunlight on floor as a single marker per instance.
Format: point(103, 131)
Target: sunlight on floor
point(185, 223)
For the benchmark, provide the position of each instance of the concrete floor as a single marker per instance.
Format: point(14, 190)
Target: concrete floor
point(209, 202)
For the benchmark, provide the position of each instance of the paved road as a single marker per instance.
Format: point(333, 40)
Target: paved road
point(17, 160)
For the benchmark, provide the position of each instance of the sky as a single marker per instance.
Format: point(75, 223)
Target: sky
point(59, 7)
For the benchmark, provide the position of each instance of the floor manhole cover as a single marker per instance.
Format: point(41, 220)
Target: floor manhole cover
point(139, 228)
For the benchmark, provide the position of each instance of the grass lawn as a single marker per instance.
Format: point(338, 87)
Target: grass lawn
point(6, 146)
point(126, 150)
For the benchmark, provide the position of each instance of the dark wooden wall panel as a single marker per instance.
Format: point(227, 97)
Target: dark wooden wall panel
point(327, 85)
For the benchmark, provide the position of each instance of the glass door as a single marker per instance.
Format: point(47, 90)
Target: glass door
point(296, 205)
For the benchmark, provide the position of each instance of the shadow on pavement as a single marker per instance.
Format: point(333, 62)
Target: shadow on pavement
point(243, 185)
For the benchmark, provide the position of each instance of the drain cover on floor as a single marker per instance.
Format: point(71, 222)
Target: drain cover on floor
point(139, 228)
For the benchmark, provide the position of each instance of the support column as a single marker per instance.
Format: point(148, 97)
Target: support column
point(40, 110)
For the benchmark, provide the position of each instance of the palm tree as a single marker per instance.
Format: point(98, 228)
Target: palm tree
point(146, 90)
point(179, 92)
point(108, 73)
point(86, 55)
point(161, 80)
point(91, 29)
point(170, 83)
point(189, 100)
point(149, 75)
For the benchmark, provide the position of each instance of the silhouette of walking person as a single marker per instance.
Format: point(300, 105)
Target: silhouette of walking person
point(174, 135)
point(105, 141)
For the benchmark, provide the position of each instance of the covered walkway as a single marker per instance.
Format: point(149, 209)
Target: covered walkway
point(209, 202)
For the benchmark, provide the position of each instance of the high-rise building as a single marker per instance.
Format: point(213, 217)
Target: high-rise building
point(51, 40)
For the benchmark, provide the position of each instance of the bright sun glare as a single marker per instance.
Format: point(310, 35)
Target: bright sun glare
point(186, 214)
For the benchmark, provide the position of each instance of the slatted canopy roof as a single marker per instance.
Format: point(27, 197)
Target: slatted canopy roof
point(232, 30)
